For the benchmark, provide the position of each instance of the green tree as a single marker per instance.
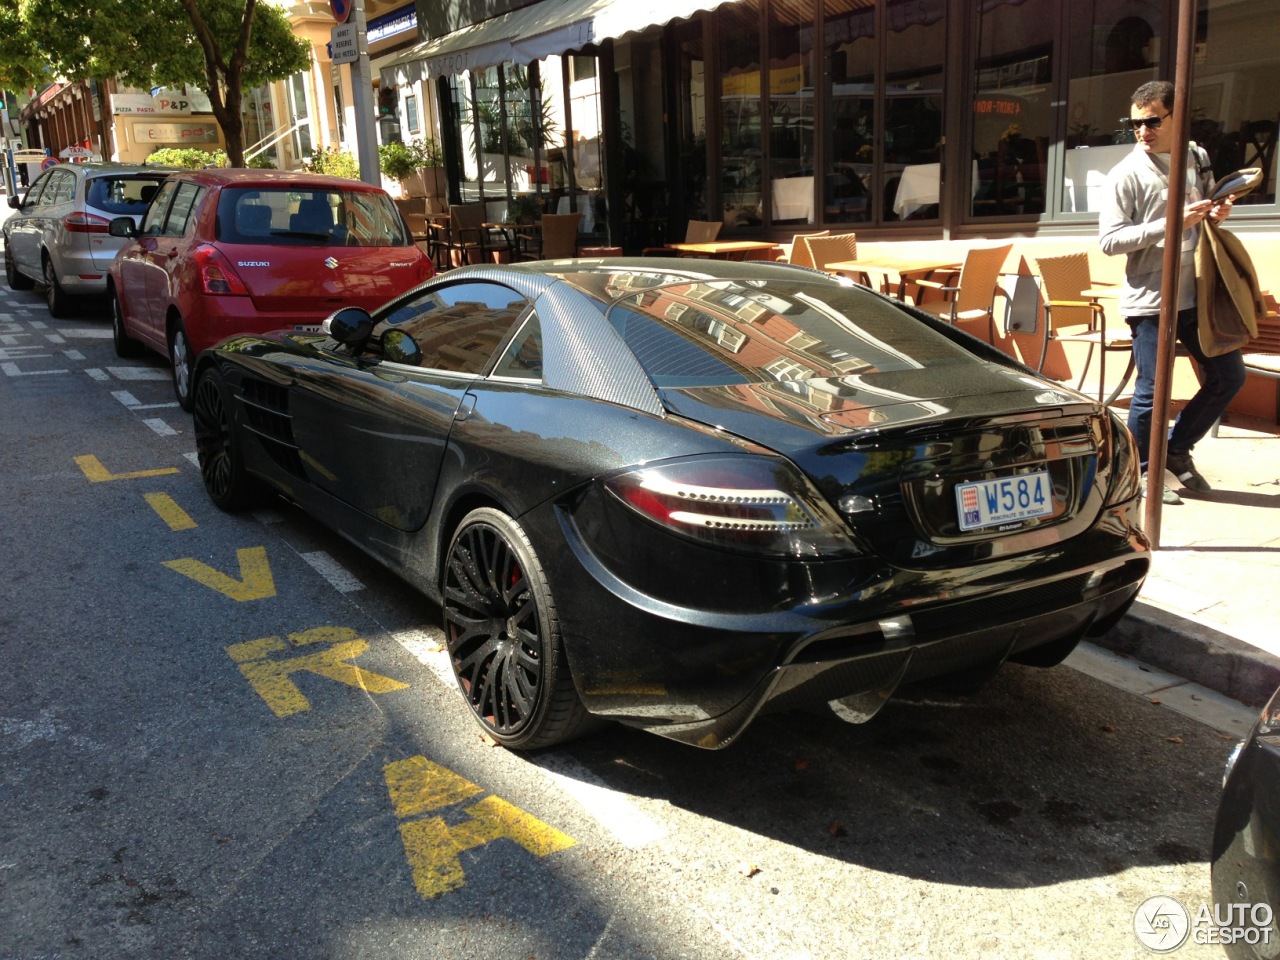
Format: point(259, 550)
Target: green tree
point(223, 46)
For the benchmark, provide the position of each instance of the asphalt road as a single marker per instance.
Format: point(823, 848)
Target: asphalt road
point(234, 737)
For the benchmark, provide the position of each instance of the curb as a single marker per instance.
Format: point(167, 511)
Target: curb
point(1199, 653)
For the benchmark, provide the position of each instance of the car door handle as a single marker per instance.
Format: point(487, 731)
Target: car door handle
point(465, 408)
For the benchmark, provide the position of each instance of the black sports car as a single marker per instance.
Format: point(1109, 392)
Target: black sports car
point(1246, 844)
point(676, 493)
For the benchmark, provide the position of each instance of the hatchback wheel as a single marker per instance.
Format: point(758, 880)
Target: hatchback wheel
point(17, 281)
point(125, 345)
point(183, 364)
point(59, 300)
point(226, 481)
point(504, 637)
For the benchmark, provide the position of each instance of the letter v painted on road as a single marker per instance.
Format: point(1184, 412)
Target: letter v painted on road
point(255, 583)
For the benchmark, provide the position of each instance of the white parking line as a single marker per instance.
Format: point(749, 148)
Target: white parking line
point(338, 576)
point(161, 428)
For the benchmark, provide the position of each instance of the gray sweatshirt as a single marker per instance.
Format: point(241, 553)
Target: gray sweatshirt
point(1132, 222)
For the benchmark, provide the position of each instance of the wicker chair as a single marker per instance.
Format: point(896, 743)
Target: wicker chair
point(798, 251)
point(555, 238)
point(468, 239)
point(971, 297)
point(1071, 315)
point(833, 248)
point(698, 231)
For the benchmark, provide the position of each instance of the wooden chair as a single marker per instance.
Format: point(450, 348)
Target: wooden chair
point(971, 295)
point(1072, 315)
point(798, 252)
point(469, 239)
point(555, 237)
point(832, 248)
point(698, 231)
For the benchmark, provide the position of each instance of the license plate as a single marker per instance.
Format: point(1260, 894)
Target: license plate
point(990, 503)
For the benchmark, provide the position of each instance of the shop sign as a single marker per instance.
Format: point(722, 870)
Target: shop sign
point(175, 132)
point(142, 103)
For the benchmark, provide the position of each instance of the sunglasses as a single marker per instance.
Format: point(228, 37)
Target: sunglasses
point(1151, 123)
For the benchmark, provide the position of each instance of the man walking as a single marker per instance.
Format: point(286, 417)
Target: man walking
point(1132, 222)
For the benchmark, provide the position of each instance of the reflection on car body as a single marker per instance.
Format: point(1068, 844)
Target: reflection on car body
point(676, 493)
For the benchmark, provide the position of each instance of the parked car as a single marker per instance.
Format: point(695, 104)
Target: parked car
point(57, 235)
point(1245, 869)
point(227, 251)
point(677, 493)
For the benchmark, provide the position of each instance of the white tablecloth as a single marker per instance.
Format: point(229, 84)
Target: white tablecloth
point(793, 199)
point(918, 187)
point(1086, 172)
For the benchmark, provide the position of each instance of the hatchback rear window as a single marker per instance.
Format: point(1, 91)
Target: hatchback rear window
point(122, 195)
point(264, 216)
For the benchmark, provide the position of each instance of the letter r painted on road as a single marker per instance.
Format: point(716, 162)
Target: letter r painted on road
point(432, 845)
point(271, 677)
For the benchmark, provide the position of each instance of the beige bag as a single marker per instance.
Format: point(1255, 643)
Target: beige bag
point(1228, 298)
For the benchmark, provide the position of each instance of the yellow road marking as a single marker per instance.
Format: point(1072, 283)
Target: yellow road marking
point(170, 512)
point(271, 678)
point(255, 583)
point(92, 468)
point(432, 846)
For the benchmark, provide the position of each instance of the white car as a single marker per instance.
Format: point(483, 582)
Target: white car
point(57, 234)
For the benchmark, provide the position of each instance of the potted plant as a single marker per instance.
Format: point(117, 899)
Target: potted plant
point(417, 165)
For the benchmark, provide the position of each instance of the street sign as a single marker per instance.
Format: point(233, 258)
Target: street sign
point(341, 9)
point(344, 46)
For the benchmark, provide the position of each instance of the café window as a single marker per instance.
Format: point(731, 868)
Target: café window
point(1012, 124)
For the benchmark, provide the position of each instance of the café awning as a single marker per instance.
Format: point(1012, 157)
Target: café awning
point(533, 32)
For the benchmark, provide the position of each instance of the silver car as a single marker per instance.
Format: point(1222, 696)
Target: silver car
point(57, 235)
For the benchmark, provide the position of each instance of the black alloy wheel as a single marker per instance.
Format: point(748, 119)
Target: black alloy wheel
point(17, 281)
point(57, 299)
point(503, 636)
point(228, 484)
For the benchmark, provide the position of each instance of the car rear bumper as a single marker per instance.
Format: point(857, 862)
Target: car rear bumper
point(701, 677)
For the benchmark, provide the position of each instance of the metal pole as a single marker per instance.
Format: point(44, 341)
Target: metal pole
point(362, 102)
point(1165, 353)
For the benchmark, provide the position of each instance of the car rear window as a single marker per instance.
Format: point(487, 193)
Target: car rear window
point(717, 332)
point(123, 195)
point(267, 216)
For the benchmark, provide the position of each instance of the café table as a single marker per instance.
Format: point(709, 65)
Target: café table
point(888, 266)
point(722, 249)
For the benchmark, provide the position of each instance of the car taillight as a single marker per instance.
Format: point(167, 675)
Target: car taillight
point(84, 223)
point(754, 504)
point(1120, 460)
point(217, 276)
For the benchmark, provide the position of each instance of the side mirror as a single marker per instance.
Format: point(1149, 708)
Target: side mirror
point(400, 347)
point(123, 227)
point(15, 201)
point(350, 326)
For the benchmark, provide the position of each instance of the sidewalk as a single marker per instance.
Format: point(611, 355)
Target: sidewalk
point(1210, 608)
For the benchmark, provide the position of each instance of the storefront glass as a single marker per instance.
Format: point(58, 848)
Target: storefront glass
point(791, 112)
point(1013, 117)
point(741, 154)
point(850, 49)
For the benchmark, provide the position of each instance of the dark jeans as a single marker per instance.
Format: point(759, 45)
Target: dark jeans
point(1220, 379)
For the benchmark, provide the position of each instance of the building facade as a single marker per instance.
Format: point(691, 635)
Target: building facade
point(897, 118)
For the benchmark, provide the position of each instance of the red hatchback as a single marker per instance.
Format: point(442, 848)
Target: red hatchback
point(229, 251)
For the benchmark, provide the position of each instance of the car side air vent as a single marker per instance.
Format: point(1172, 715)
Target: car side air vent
point(266, 409)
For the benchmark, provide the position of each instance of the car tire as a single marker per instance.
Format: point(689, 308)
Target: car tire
point(503, 636)
point(229, 485)
point(17, 280)
point(125, 345)
point(183, 364)
point(60, 302)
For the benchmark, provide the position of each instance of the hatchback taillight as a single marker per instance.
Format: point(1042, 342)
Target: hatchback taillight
point(84, 223)
point(755, 504)
point(217, 277)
